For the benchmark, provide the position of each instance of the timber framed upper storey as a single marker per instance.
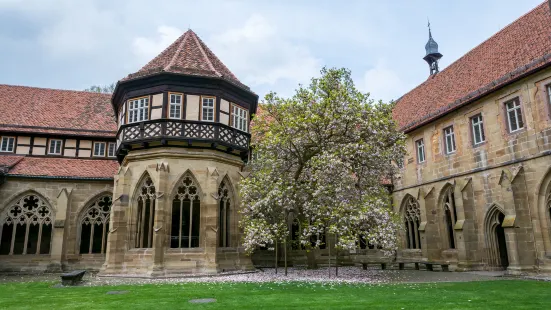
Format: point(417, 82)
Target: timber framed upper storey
point(185, 97)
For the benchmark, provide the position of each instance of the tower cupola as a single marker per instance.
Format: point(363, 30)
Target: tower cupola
point(432, 55)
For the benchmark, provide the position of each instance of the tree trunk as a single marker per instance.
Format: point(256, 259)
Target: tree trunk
point(311, 258)
point(276, 258)
point(329, 256)
point(285, 251)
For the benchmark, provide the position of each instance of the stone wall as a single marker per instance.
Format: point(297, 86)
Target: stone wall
point(67, 199)
point(510, 173)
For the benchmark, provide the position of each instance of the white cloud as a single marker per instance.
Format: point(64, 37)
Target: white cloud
point(383, 83)
point(261, 55)
point(148, 48)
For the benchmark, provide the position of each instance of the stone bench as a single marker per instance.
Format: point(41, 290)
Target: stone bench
point(72, 278)
point(428, 265)
point(365, 263)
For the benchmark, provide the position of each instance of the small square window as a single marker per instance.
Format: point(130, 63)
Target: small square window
point(514, 115)
point(175, 110)
point(99, 149)
point(449, 140)
point(477, 127)
point(420, 145)
point(8, 144)
point(55, 147)
point(111, 150)
point(208, 109)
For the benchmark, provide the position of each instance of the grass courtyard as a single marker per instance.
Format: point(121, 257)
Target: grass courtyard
point(502, 294)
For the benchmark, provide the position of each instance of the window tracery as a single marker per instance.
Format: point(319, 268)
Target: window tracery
point(95, 226)
point(186, 215)
point(412, 219)
point(146, 214)
point(26, 227)
point(224, 215)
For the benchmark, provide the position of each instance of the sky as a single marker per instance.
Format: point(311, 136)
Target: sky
point(268, 45)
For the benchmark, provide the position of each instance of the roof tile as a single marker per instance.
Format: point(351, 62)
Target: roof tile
point(64, 167)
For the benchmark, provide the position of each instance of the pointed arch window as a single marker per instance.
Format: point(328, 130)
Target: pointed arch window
point(94, 226)
point(26, 227)
point(450, 216)
point(145, 214)
point(224, 215)
point(412, 219)
point(186, 215)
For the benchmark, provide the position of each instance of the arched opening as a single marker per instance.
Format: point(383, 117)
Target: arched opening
point(412, 220)
point(26, 227)
point(94, 226)
point(224, 214)
point(145, 213)
point(186, 215)
point(450, 216)
point(496, 240)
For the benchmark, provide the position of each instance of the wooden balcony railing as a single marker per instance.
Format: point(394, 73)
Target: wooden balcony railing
point(183, 130)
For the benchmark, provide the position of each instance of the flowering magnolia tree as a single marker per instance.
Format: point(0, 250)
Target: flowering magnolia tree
point(321, 157)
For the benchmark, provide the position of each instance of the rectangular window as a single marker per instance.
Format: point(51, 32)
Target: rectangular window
point(138, 110)
point(99, 149)
point(514, 115)
point(477, 129)
point(112, 149)
point(420, 150)
point(121, 116)
point(240, 118)
point(208, 109)
point(549, 93)
point(55, 147)
point(8, 144)
point(449, 140)
point(175, 110)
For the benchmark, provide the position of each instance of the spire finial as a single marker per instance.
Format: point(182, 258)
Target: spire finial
point(432, 55)
point(428, 25)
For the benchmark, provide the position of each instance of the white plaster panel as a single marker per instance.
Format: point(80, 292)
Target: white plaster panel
point(157, 100)
point(192, 107)
point(224, 106)
point(224, 119)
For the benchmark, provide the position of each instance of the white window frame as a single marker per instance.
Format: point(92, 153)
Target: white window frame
point(240, 118)
point(174, 106)
point(420, 150)
point(548, 88)
point(114, 149)
point(7, 148)
point(516, 111)
point(477, 121)
point(55, 143)
point(102, 149)
point(449, 140)
point(207, 108)
point(138, 110)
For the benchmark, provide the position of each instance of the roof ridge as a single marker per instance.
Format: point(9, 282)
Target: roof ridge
point(178, 50)
point(488, 39)
point(205, 55)
point(57, 89)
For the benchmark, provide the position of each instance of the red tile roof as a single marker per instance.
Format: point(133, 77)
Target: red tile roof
point(63, 167)
point(9, 160)
point(518, 49)
point(187, 55)
point(33, 109)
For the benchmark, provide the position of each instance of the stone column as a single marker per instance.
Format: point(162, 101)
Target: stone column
point(209, 214)
point(59, 231)
point(458, 227)
point(118, 230)
point(160, 224)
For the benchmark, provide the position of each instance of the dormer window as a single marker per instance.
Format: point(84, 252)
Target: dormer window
point(8, 144)
point(207, 109)
point(239, 118)
point(175, 110)
point(55, 147)
point(138, 110)
point(99, 149)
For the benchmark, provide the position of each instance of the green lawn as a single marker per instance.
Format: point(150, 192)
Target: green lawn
point(466, 295)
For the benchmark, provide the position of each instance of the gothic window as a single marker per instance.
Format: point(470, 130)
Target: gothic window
point(224, 215)
point(412, 219)
point(145, 214)
point(94, 226)
point(450, 216)
point(26, 227)
point(186, 215)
